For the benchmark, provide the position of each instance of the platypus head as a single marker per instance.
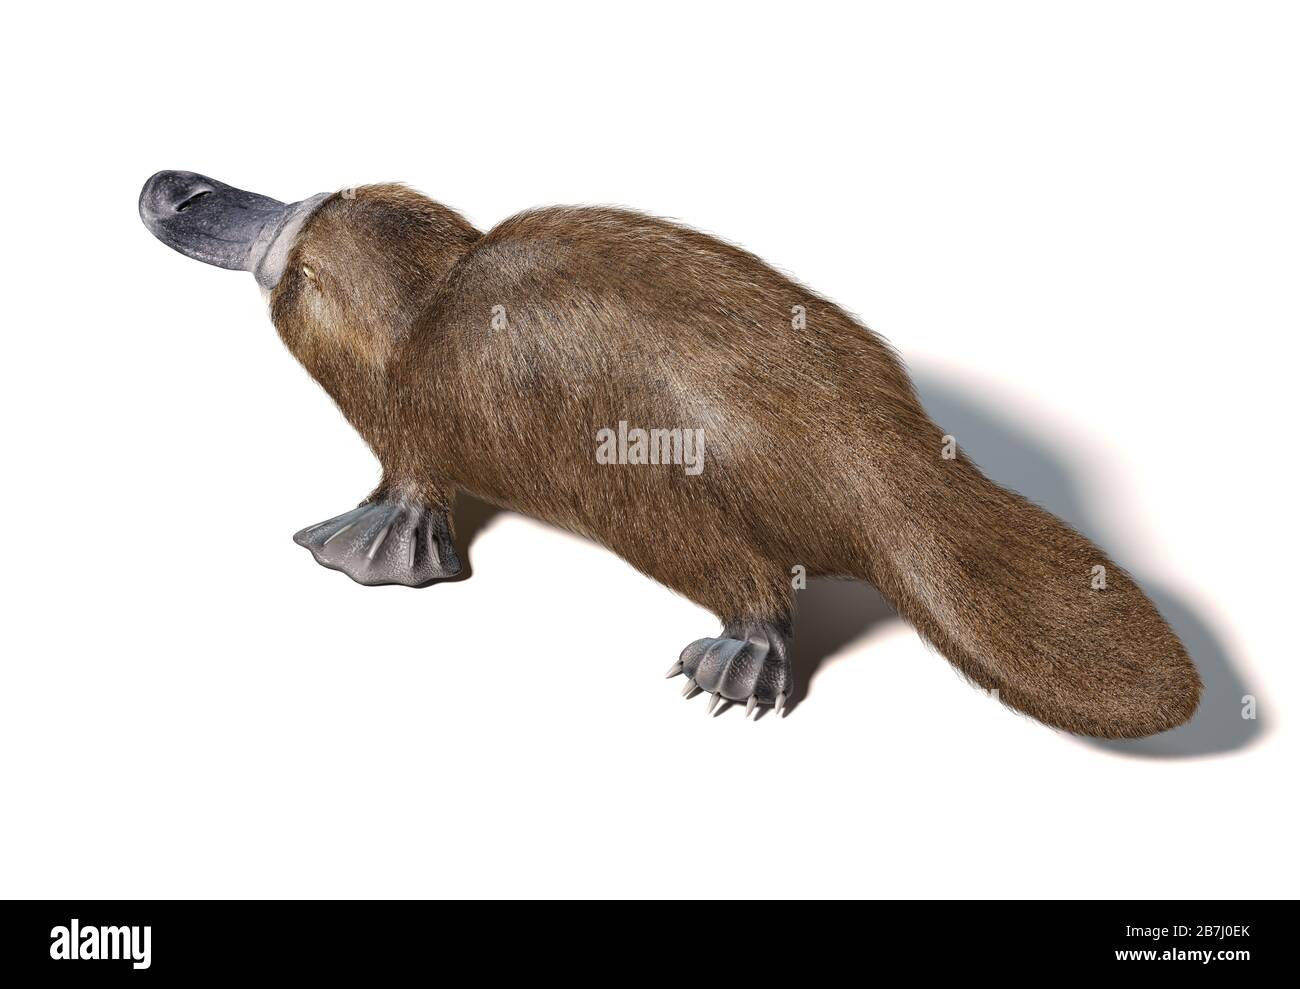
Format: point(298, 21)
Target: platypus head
point(221, 225)
point(347, 274)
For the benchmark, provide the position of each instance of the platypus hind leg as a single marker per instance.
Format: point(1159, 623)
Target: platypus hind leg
point(386, 541)
point(749, 662)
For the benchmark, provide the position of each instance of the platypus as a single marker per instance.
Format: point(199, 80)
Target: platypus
point(724, 429)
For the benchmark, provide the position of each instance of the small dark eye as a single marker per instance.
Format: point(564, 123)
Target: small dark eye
point(308, 271)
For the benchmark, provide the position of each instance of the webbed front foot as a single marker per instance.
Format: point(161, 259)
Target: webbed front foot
point(386, 541)
point(748, 663)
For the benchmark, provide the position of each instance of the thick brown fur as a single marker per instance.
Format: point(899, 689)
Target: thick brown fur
point(817, 451)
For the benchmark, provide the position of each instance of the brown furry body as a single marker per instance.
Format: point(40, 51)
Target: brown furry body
point(817, 450)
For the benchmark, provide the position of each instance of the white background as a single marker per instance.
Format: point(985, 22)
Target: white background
point(1077, 222)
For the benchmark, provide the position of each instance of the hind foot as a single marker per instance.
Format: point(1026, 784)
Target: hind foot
point(749, 662)
point(387, 541)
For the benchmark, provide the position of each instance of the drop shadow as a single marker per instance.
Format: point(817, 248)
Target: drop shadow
point(470, 517)
point(829, 616)
point(1017, 460)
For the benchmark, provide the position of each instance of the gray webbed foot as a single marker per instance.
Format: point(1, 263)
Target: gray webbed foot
point(749, 663)
point(385, 542)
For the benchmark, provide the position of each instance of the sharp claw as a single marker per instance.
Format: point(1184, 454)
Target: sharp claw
point(750, 705)
point(691, 687)
point(717, 699)
point(676, 669)
point(780, 703)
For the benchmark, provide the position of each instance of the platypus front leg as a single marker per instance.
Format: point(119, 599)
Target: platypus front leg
point(749, 662)
point(389, 539)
